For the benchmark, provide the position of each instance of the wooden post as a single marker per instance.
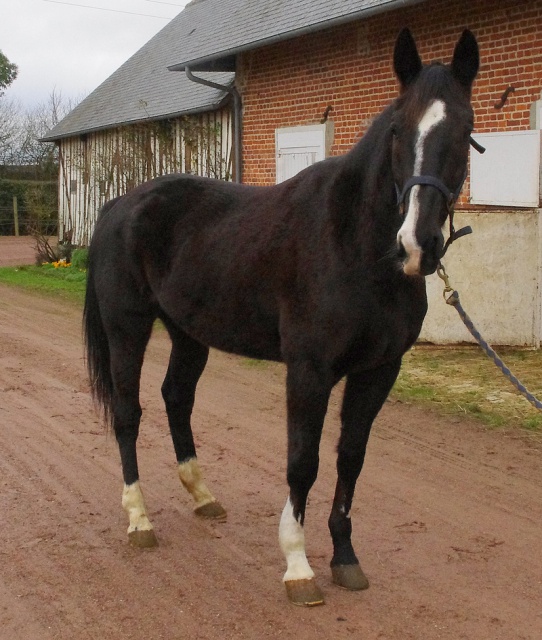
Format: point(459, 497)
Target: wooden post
point(16, 215)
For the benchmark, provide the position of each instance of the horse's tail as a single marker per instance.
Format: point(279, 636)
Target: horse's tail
point(98, 357)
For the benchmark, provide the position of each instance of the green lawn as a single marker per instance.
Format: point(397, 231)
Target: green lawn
point(464, 381)
point(64, 282)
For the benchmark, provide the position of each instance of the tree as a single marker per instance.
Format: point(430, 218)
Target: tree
point(10, 130)
point(8, 72)
point(35, 123)
point(28, 168)
point(21, 128)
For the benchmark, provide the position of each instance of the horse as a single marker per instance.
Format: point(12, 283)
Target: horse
point(324, 272)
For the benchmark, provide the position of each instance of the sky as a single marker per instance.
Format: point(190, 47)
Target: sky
point(69, 48)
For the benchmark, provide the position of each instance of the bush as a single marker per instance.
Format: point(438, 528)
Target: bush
point(79, 258)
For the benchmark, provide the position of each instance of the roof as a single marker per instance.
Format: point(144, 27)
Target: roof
point(212, 32)
point(205, 36)
point(142, 89)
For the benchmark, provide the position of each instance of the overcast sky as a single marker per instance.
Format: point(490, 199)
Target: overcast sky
point(71, 48)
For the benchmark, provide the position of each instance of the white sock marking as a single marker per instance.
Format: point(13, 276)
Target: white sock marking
point(406, 236)
point(192, 479)
point(134, 504)
point(292, 543)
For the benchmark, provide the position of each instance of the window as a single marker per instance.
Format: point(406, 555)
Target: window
point(298, 147)
point(508, 173)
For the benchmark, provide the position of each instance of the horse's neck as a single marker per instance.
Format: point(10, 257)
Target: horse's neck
point(368, 188)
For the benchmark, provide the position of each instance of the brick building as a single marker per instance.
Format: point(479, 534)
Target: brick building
point(312, 74)
point(348, 68)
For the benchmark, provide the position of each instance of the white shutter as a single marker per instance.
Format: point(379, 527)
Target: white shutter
point(297, 148)
point(508, 173)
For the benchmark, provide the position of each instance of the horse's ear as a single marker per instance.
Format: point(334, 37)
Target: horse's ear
point(406, 60)
point(466, 59)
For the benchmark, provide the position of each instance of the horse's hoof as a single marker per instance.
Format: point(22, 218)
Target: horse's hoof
point(212, 510)
point(349, 576)
point(143, 538)
point(304, 593)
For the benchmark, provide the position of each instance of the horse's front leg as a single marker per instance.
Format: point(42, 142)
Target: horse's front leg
point(364, 396)
point(307, 398)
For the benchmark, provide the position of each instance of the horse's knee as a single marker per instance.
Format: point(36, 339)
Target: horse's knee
point(302, 472)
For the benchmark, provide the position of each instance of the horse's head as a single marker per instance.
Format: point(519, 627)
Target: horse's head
point(431, 127)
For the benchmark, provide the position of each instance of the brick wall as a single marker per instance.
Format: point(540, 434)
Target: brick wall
point(349, 68)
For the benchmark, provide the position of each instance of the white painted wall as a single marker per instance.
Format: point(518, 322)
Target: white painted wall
point(104, 164)
point(498, 273)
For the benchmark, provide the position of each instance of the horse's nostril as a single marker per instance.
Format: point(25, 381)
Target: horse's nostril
point(401, 251)
point(431, 244)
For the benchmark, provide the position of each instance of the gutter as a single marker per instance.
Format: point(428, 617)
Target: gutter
point(238, 165)
point(208, 63)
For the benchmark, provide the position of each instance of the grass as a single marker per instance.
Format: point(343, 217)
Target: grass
point(464, 381)
point(454, 381)
point(67, 283)
point(252, 363)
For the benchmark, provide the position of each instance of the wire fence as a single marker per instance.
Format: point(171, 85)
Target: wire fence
point(27, 224)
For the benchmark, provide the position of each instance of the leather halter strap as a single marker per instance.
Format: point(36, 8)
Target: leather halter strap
point(432, 181)
point(449, 196)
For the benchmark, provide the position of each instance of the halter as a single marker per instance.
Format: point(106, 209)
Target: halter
point(449, 195)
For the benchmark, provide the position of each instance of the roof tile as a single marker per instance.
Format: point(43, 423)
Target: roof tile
point(143, 88)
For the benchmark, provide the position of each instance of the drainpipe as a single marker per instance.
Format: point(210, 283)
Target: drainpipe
point(238, 166)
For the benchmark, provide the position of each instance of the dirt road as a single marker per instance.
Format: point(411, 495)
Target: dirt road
point(15, 251)
point(447, 517)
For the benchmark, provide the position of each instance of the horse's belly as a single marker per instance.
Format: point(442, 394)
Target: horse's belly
point(243, 328)
point(249, 342)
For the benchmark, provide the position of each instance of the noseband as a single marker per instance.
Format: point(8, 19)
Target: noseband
point(449, 196)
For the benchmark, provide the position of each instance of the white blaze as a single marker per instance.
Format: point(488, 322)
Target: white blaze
point(435, 114)
point(292, 543)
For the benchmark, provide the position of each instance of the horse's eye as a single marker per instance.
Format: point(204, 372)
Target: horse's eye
point(393, 129)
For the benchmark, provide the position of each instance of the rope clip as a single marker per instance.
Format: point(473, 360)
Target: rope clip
point(453, 298)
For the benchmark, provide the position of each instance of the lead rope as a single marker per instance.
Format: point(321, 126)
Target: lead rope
point(453, 300)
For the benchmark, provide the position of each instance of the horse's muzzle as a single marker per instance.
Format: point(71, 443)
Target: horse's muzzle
point(423, 259)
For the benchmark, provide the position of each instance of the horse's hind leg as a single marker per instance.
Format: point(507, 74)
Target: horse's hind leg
point(186, 364)
point(364, 396)
point(127, 342)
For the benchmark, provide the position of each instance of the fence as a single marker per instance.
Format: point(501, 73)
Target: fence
point(16, 220)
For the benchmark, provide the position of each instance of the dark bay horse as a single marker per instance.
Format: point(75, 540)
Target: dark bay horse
point(324, 272)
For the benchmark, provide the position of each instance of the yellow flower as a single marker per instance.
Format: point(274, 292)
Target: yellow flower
point(61, 263)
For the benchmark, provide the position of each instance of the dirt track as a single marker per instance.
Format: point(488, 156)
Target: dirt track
point(447, 517)
point(15, 251)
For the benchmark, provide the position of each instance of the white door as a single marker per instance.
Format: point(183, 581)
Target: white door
point(297, 148)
